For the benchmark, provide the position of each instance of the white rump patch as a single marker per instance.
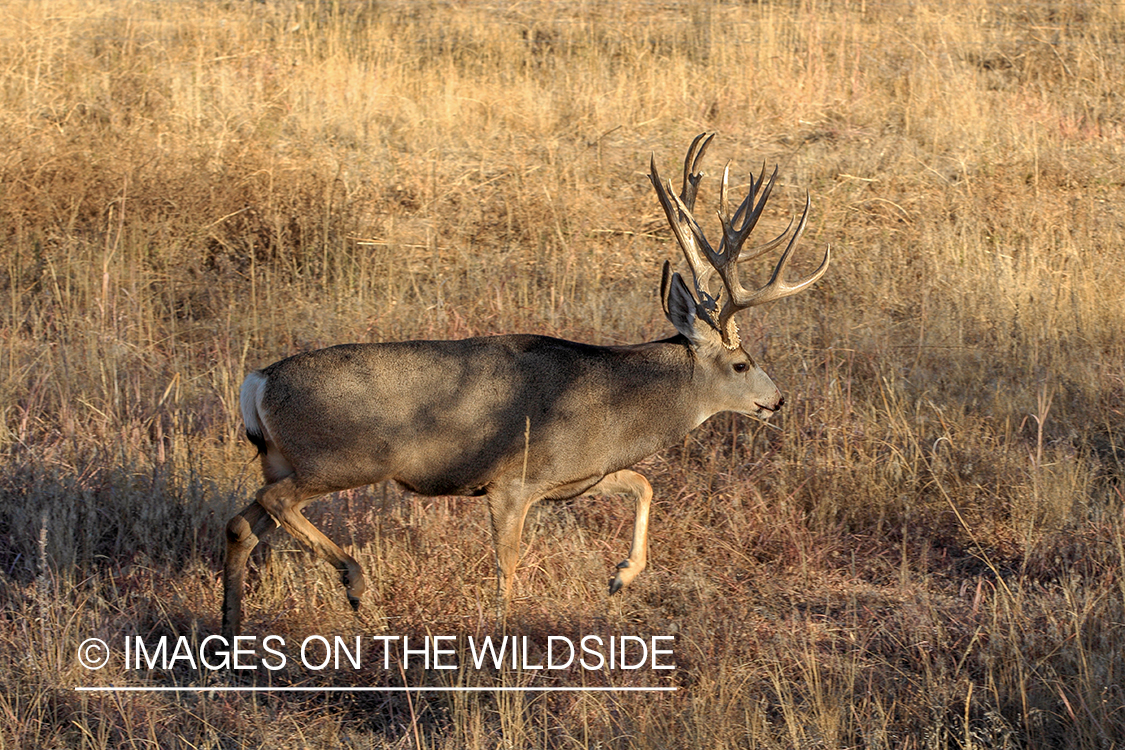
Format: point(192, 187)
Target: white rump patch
point(250, 402)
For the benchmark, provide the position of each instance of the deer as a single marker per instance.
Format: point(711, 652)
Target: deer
point(515, 418)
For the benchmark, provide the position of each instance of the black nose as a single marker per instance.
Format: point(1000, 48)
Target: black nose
point(780, 403)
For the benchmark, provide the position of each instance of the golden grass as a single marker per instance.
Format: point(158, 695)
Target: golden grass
point(926, 549)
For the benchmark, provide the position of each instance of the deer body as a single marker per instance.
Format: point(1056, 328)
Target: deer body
point(338, 416)
point(517, 418)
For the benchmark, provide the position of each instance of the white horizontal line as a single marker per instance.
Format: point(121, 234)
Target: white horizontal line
point(501, 689)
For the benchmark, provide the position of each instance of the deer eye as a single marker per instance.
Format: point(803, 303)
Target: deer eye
point(741, 367)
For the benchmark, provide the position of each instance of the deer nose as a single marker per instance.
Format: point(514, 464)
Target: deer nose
point(780, 403)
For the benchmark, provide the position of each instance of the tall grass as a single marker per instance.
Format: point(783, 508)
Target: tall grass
point(924, 551)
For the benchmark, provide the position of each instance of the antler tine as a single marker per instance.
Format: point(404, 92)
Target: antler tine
point(738, 298)
point(692, 173)
point(755, 186)
point(733, 239)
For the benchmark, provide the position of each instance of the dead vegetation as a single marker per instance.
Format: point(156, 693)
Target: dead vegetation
point(924, 551)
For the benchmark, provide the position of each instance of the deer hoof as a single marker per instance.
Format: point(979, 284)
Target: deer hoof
point(619, 580)
point(354, 583)
point(627, 570)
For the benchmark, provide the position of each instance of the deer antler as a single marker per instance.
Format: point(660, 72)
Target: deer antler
point(704, 260)
point(678, 210)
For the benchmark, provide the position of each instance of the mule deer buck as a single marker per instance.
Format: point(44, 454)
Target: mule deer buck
point(516, 418)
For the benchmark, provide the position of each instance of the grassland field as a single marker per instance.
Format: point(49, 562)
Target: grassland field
point(924, 549)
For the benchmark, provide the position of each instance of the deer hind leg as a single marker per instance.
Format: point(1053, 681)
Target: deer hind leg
point(283, 500)
point(243, 532)
point(629, 482)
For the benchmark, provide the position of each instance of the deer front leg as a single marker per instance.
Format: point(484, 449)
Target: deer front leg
point(628, 482)
point(284, 500)
point(243, 532)
point(508, 515)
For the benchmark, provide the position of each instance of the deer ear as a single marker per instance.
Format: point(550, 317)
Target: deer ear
point(682, 309)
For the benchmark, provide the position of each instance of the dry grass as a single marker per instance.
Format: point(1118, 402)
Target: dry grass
point(925, 551)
